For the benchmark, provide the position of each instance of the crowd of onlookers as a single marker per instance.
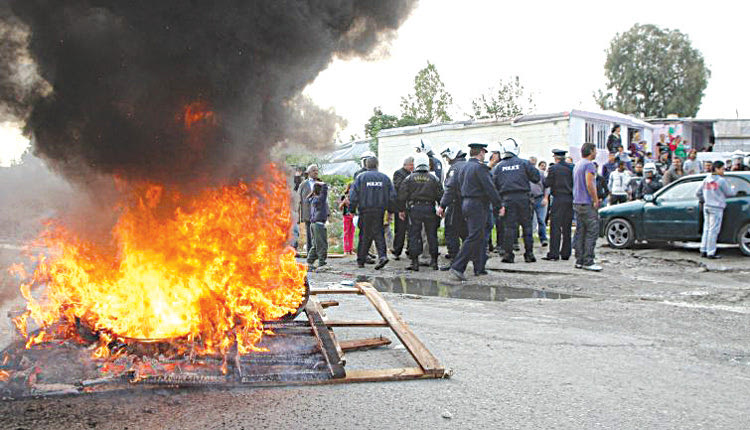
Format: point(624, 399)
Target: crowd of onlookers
point(633, 172)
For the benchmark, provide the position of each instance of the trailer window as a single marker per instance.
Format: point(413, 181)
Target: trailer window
point(596, 132)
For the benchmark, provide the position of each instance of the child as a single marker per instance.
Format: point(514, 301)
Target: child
point(318, 216)
point(348, 221)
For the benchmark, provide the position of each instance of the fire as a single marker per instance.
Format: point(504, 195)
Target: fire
point(205, 275)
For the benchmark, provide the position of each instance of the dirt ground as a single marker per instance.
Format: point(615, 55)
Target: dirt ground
point(657, 339)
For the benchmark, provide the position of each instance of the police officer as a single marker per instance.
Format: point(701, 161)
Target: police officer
point(371, 194)
point(512, 177)
point(360, 235)
point(560, 182)
point(400, 226)
point(450, 204)
point(477, 192)
point(419, 193)
point(362, 159)
point(423, 147)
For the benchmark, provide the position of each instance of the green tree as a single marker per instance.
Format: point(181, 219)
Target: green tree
point(653, 72)
point(429, 103)
point(507, 100)
point(379, 121)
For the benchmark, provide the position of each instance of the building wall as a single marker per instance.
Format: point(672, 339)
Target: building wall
point(732, 135)
point(538, 140)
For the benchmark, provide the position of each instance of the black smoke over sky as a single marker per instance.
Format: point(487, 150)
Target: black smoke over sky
point(176, 91)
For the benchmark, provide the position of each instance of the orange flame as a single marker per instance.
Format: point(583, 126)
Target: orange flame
point(209, 273)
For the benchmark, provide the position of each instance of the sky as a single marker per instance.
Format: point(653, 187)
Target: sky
point(557, 50)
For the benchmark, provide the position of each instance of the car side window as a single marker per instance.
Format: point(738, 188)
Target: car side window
point(681, 191)
point(739, 185)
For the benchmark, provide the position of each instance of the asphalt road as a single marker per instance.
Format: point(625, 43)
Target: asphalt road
point(661, 342)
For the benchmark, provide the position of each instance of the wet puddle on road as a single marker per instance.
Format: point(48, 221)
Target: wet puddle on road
point(429, 287)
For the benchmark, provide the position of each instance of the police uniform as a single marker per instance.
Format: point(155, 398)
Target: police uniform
point(371, 194)
point(436, 166)
point(560, 182)
point(477, 192)
point(512, 177)
point(400, 226)
point(419, 193)
point(455, 225)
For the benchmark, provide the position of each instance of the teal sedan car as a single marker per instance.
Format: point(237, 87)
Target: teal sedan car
point(674, 214)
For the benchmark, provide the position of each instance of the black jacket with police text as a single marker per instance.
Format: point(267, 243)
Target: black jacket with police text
point(372, 191)
point(419, 187)
point(513, 174)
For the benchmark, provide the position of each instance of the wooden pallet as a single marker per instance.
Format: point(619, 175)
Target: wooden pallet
point(301, 352)
point(428, 365)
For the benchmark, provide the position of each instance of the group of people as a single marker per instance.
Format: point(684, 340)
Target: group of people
point(479, 193)
point(631, 175)
point(491, 187)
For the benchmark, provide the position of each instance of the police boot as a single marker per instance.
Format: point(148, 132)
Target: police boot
point(433, 263)
point(529, 257)
point(414, 265)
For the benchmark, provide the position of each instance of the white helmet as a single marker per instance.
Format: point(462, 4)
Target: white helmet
point(422, 145)
point(451, 151)
point(511, 146)
point(364, 156)
point(649, 167)
point(738, 154)
point(495, 147)
point(422, 162)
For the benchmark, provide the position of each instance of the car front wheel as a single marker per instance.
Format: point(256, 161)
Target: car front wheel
point(620, 233)
point(743, 239)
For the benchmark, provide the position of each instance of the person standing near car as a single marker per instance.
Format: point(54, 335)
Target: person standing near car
point(713, 194)
point(559, 179)
point(585, 205)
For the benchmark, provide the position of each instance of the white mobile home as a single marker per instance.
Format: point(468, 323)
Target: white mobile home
point(540, 134)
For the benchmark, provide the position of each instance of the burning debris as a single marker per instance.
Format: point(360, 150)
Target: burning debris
point(172, 107)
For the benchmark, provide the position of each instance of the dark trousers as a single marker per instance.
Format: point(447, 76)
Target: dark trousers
point(423, 216)
point(517, 212)
point(587, 230)
point(455, 229)
point(308, 236)
point(561, 221)
point(617, 198)
point(499, 229)
point(399, 234)
point(371, 229)
point(474, 248)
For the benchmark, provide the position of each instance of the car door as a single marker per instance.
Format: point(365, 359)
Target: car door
point(674, 212)
point(737, 211)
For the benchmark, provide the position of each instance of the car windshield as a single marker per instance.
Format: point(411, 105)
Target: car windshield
point(681, 191)
point(738, 184)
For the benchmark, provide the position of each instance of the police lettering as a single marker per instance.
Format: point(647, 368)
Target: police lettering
point(508, 168)
point(375, 184)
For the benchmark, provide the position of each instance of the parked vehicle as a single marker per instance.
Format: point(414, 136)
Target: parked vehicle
point(674, 214)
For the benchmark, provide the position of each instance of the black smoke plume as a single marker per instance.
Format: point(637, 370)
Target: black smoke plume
point(176, 91)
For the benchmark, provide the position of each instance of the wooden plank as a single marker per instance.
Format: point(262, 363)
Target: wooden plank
point(328, 303)
point(364, 344)
point(378, 375)
point(326, 341)
point(428, 362)
point(347, 323)
point(343, 290)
